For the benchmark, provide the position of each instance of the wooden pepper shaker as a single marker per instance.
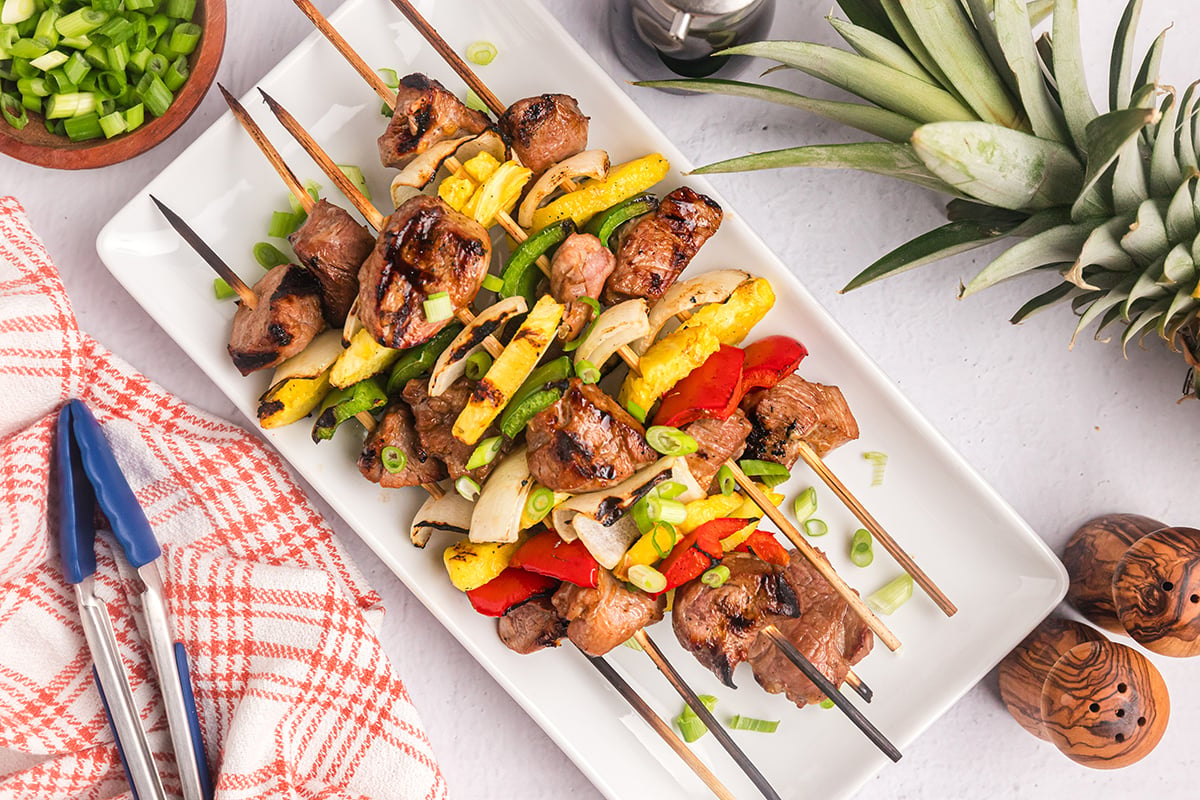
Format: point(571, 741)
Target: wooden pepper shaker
point(1101, 703)
point(1131, 574)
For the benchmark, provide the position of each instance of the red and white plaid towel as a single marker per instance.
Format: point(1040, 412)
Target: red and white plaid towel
point(295, 695)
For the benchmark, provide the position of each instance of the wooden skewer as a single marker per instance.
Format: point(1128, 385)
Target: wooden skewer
point(264, 145)
point(385, 92)
point(693, 701)
point(897, 552)
point(244, 292)
point(859, 686)
point(371, 214)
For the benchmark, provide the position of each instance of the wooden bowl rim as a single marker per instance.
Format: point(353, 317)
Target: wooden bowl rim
point(104, 152)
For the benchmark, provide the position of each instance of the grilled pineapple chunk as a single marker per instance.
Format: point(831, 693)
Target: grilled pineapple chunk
point(732, 320)
point(300, 383)
point(668, 361)
point(509, 371)
point(472, 564)
point(362, 359)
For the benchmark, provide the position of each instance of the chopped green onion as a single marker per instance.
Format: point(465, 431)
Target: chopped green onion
point(725, 479)
point(478, 363)
point(632, 644)
point(118, 56)
point(592, 303)
point(140, 5)
point(13, 111)
point(268, 255)
point(113, 32)
point(154, 93)
point(690, 726)
point(493, 283)
point(438, 307)
point(180, 9)
point(861, 553)
point(45, 30)
point(484, 453)
point(481, 53)
point(80, 43)
point(177, 74)
point(636, 411)
point(134, 117)
point(8, 37)
point(222, 290)
point(80, 22)
point(878, 463)
point(285, 223)
point(140, 59)
point(473, 102)
point(805, 504)
point(112, 124)
point(31, 102)
point(647, 578)
point(892, 595)
point(393, 459)
point(586, 371)
point(52, 59)
point(669, 490)
point(80, 129)
point(740, 723)
point(815, 527)
point(659, 509)
point(28, 49)
point(767, 472)
point(467, 487)
point(111, 83)
point(184, 38)
point(539, 503)
point(391, 78)
point(826, 703)
point(671, 441)
point(385, 110)
point(716, 576)
point(667, 531)
point(15, 11)
point(76, 67)
point(158, 25)
point(355, 175)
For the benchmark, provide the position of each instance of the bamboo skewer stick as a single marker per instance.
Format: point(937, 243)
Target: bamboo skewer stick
point(244, 292)
point(897, 552)
point(859, 686)
point(371, 214)
point(264, 145)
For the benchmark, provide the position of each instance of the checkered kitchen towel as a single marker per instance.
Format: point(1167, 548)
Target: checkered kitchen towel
point(295, 695)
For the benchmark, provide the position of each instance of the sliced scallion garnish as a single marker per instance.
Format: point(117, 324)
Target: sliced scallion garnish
point(636, 411)
point(740, 723)
point(805, 504)
point(662, 538)
point(393, 459)
point(726, 481)
point(222, 290)
point(690, 726)
point(478, 364)
point(484, 453)
point(269, 256)
point(647, 578)
point(481, 53)
point(438, 307)
point(473, 102)
point(826, 703)
point(659, 509)
point(767, 472)
point(355, 175)
point(586, 371)
point(891, 595)
point(878, 462)
point(861, 552)
point(670, 441)
point(716, 576)
point(391, 78)
point(815, 527)
point(493, 283)
point(467, 487)
point(539, 503)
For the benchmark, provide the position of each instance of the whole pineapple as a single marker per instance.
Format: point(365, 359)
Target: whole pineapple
point(969, 103)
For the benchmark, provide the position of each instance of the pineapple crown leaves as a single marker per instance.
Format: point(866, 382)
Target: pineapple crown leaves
point(969, 102)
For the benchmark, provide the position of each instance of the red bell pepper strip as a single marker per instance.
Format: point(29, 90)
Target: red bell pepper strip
point(547, 554)
point(712, 389)
point(766, 547)
point(698, 551)
point(770, 360)
point(509, 588)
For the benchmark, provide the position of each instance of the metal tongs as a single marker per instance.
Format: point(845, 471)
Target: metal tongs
point(88, 476)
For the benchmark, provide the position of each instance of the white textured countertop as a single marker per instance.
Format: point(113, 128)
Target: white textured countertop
point(1062, 435)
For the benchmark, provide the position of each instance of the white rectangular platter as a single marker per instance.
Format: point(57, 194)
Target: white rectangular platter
point(995, 568)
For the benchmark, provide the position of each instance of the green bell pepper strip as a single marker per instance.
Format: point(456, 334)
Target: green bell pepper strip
point(521, 274)
point(517, 415)
point(419, 360)
point(342, 404)
point(604, 224)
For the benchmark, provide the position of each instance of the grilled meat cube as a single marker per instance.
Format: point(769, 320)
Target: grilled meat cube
point(605, 617)
point(544, 130)
point(579, 268)
point(425, 114)
point(585, 442)
point(333, 246)
point(719, 626)
point(435, 419)
point(661, 244)
point(794, 411)
point(828, 632)
point(425, 247)
point(532, 625)
point(718, 441)
point(395, 429)
point(287, 318)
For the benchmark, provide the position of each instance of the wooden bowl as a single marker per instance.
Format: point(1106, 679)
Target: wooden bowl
point(35, 145)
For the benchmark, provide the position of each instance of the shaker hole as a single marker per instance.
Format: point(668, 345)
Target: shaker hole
point(1120, 737)
point(1121, 688)
point(1167, 586)
point(1120, 712)
point(1094, 707)
point(1195, 598)
point(1141, 721)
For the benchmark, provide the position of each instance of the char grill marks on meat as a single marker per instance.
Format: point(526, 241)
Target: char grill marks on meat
point(585, 441)
point(580, 266)
point(603, 618)
point(795, 411)
point(544, 130)
point(425, 114)
point(661, 244)
point(719, 626)
point(395, 429)
point(435, 418)
point(333, 246)
point(532, 625)
point(717, 441)
point(425, 247)
point(828, 632)
point(286, 319)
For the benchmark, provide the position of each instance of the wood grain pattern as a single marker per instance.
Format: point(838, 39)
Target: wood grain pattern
point(1023, 671)
point(1104, 705)
point(35, 145)
point(1091, 557)
point(1156, 591)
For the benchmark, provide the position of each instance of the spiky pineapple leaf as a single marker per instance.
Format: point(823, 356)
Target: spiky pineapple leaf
point(1148, 72)
point(1181, 214)
point(1182, 303)
point(881, 49)
point(1143, 323)
point(949, 240)
point(879, 158)
point(1120, 71)
point(1077, 103)
point(959, 209)
point(946, 31)
point(982, 17)
point(1146, 287)
point(1102, 248)
point(876, 83)
point(1016, 42)
point(1109, 301)
point(1147, 238)
point(911, 41)
point(869, 119)
point(1178, 267)
point(1106, 137)
point(999, 166)
point(1165, 173)
point(1057, 294)
point(869, 14)
point(1059, 244)
point(1188, 160)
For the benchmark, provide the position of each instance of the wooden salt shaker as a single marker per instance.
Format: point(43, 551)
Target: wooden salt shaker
point(1102, 704)
point(1131, 574)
